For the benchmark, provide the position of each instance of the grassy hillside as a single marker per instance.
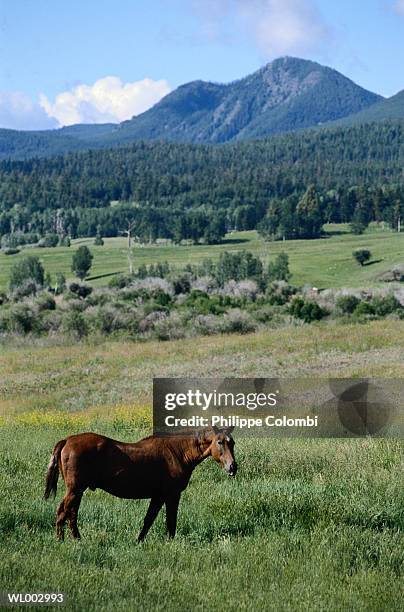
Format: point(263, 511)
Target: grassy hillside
point(315, 524)
point(323, 263)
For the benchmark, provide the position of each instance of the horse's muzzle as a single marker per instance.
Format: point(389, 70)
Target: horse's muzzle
point(232, 469)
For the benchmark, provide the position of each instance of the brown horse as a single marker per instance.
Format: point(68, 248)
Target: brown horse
point(155, 468)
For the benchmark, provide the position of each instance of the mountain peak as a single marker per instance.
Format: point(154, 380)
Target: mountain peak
point(286, 94)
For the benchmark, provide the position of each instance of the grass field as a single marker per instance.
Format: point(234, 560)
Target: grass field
point(315, 524)
point(323, 263)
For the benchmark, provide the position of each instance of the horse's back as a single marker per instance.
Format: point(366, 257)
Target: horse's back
point(123, 469)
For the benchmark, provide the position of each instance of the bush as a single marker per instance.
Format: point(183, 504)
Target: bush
point(383, 306)
point(362, 256)
point(27, 269)
point(74, 323)
point(346, 304)
point(364, 308)
point(279, 293)
point(181, 283)
point(27, 289)
point(306, 311)
point(169, 328)
point(237, 321)
point(65, 241)
point(49, 241)
point(22, 319)
point(60, 283)
point(11, 251)
point(45, 302)
point(201, 303)
point(109, 319)
point(79, 290)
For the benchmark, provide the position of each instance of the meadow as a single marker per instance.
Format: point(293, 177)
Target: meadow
point(311, 524)
point(324, 263)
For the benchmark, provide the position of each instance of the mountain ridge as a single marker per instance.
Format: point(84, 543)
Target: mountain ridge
point(285, 95)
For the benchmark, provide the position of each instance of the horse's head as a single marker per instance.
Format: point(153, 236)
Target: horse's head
point(222, 448)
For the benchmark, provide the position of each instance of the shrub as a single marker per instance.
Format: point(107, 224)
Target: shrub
point(49, 241)
point(79, 290)
point(74, 323)
point(181, 283)
point(98, 241)
point(27, 269)
point(51, 321)
point(346, 304)
point(383, 306)
point(237, 321)
point(279, 293)
point(306, 310)
point(364, 308)
point(65, 241)
point(22, 318)
point(206, 325)
point(247, 289)
point(45, 302)
point(362, 256)
point(60, 283)
point(120, 281)
point(110, 318)
point(201, 303)
point(27, 289)
point(11, 251)
point(169, 328)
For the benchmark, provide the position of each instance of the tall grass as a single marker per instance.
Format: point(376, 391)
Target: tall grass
point(305, 524)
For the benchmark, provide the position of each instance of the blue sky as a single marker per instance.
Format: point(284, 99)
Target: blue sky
point(103, 60)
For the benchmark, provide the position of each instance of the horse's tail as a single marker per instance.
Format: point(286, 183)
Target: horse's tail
point(52, 474)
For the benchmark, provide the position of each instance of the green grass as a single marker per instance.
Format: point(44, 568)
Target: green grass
point(323, 263)
point(306, 524)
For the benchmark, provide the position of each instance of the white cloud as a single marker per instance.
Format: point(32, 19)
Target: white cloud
point(283, 26)
point(399, 7)
point(19, 112)
point(107, 100)
point(277, 27)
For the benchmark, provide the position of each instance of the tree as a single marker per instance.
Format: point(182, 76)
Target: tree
point(362, 256)
point(82, 261)
point(98, 239)
point(309, 218)
point(28, 269)
point(279, 269)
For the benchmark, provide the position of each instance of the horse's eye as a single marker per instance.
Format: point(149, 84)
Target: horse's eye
point(220, 443)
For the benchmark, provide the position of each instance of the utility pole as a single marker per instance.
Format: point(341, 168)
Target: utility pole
point(128, 232)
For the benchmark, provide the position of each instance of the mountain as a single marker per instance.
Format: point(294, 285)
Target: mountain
point(387, 109)
point(287, 94)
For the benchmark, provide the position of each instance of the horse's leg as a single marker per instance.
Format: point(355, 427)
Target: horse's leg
point(73, 509)
point(172, 503)
point(67, 511)
point(153, 510)
point(60, 521)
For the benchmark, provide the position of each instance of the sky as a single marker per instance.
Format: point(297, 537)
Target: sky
point(97, 61)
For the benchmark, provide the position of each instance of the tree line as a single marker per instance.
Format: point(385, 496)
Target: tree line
point(198, 192)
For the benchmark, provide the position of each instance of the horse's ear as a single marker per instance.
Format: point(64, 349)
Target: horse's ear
point(228, 431)
point(215, 430)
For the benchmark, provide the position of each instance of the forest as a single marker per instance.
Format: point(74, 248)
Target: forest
point(198, 192)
